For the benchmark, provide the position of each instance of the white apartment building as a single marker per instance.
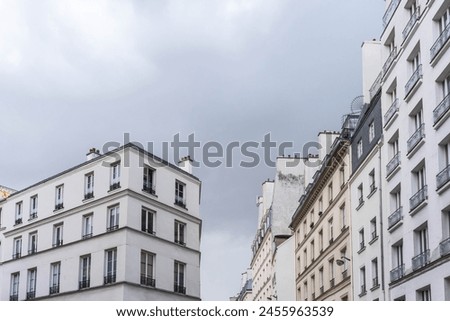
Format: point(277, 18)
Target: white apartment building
point(121, 226)
point(415, 86)
point(272, 242)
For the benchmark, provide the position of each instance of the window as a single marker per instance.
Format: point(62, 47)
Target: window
point(372, 181)
point(180, 233)
point(17, 248)
point(321, 241)
point(330, 230)
point(58, 235)
point(415, 62)
point(55, 274)
point(396, 199)
point(360, 196)
point(444, 21)
point(305, 258)
point(443, 177)
point(424, 294)
point(321, 284)
point(422, 240)
point(362, 281)
point(115, 176)
point(320, 206)
point(312, 251)
point(149, 179)
point(31, 284)
point(89, 186)
point(362, 244)
point(373, 229)
point(0, 217)
point(18, 217)
point(305, 286)
point(113, 218)
point(343, 216)
point(342, 176)
point(33, 207)
point(330, 192)
point(375, 280)
point(85, 272)
point(110, 266)
point(147, 221)
point(397, 261)
point(311, 218)
point(179, 272)
point(345, 265)
point(331, 271)
point(313, 287)
point(359, 148)
point(445, 87)
point(14, 288)
point(393, 147)
point(59, 197)
point(147, 275)
point(371, 131)
point(180, 194)
point(32, 243)
point(87, 227)
point(419, 187)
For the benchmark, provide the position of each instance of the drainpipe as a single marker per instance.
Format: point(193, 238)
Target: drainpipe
point(383, 288)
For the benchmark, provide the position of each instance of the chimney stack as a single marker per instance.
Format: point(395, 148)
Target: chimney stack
point(93, 153)
point(186, 164)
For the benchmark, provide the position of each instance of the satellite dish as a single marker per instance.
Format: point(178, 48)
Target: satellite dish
point(357, 104)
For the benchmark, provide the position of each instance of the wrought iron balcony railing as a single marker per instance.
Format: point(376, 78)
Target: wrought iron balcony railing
point(86, 284)
point(390, 12)
point(412, 21)
point(112, 228)
point(149, 189)
point(421, 260)
point(415, 139)
point(178, 288)
point(398, 273)
point(390, 59)
point(54, 289)
point(31, 295)
point(395, 217)
point(413, 80)
point(444, 247)
point(110, 278)
point(391, 111)
point(376, 85)
point(441, 109)
point(393, 164)
point(418, 198)
point(440, 42)
point(148, 281)
point(443, 177)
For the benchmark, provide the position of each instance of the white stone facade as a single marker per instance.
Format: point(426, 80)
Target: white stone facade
point(131, 231)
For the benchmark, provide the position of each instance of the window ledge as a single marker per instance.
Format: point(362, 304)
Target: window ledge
point(360, 205)
point(373, 240)
point(361, 250)
point(372, 192)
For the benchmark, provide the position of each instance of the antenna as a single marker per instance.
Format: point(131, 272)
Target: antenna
point(357, 104)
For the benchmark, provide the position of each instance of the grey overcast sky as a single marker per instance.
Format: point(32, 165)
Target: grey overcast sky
point(77, 74)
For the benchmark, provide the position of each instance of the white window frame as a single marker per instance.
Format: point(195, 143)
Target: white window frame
point(17, 248)
point(85, 272)
point(19, 211)
point(89, 183)
point(14, 286)
point(149, 180)
point(371, 131)
point(147, 268)
point(33, 206)
point(115, 175)
point(148, 221)
point(180, 277)
point(55, 277)
point(113, 218)
point(31, 283)
point(180, 233)
point(359, 148)
point(110, 266)
point(59, 197)
point(87, 226)
point(32, 243)
point(58, 235)
point(180, 193)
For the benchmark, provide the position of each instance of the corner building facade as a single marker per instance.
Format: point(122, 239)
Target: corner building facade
point(122, 226)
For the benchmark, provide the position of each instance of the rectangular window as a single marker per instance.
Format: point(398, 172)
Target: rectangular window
point(330, 192)
point(321, 280)
point(58, 235)
point(180, 233)
point(343, 216)
point(397, 251)
point(375, 280)
point(19, 209)
point(32, 243)
point(372, 181)
point(342, 176)
point(345, 261)
point(147, 272)
point(87, 226)
point(330, 230)
point(331, 271)
point(59, 197)
point(31, 284)
point(321, 241)
point(55, 275)
point(149, 180)
point(373, 228)
point(305, 258)
point(113, 218)
point(89, 186)
point(115, 176)
point(147, 221)
point(313, 250)
point(360, 195)
point(359, 148)
point(0, 217)
point(362, 244)
point(17, 248)
point(362, 281)
point(14, 288)
point(179, 281)
point(33, 207)
point(320, 206)
point(180, 194)
point(371, 131)
point(110, 266)
point(424, 294)
point(85, 272)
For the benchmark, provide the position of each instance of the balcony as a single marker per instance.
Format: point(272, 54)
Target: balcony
point(442, 109)
point(178, 288)
point(411, 23)
point(375, 86)
point(149, 189)
point(110, 279)
point(416, 138)
point(440, 42)
point(398, 273)
point(148, 281)
point(86, 284)
point(31, 295)
point(443, 177)
point(390, 12)
point(390, 59)
point(392, 111)
point(395, 217)
point(393, 164)
point(415, 77)
point(418, 198)
point(54, 289)
point(444, 247)
point(421, 260)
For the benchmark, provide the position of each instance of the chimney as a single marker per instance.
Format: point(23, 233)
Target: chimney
point(93, 153)
point(186, 164)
